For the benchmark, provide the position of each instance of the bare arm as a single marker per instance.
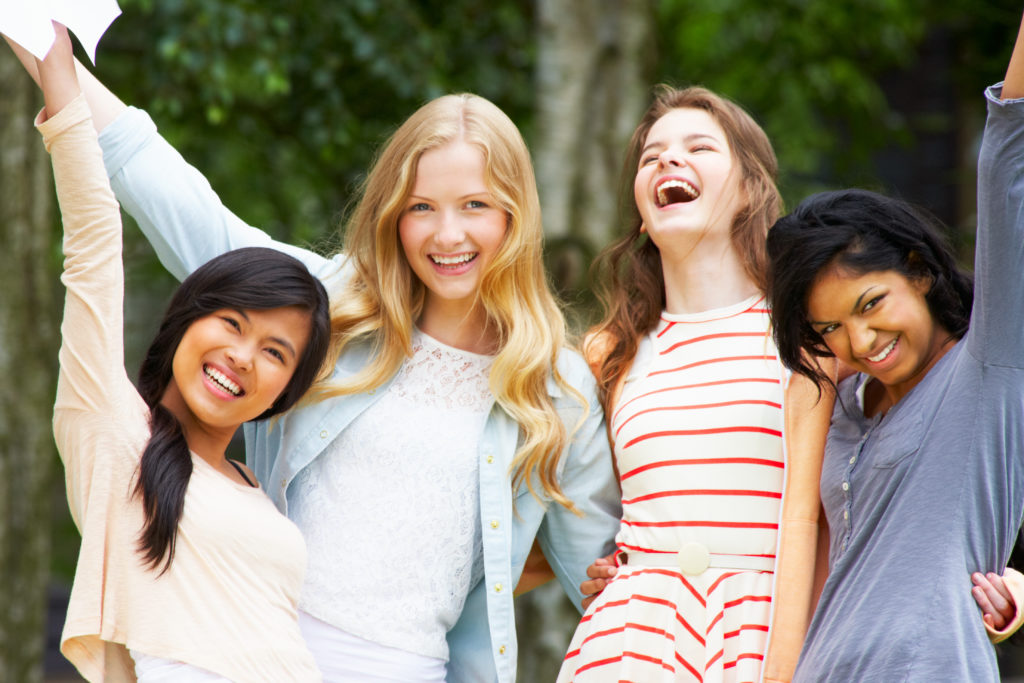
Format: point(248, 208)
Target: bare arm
point(105, 105)
point(56, 74)
point(1013, 86)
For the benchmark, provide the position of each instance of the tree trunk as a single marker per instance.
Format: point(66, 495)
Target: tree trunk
point(594, 60)
point(29, 314)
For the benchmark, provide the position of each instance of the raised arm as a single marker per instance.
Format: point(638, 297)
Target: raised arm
point(105, 105)
point(178, 211)
point(1013, 86)
point(996, 323)
point(93, 391)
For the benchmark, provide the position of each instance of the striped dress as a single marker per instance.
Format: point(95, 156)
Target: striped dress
point(698, 443)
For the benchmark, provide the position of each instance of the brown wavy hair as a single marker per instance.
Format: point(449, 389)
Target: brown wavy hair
point(628, 274)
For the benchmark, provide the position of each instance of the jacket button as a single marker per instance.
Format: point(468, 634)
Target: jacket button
point(693, 558)
point(501, 650)
point(497, 588)
point(323, 433)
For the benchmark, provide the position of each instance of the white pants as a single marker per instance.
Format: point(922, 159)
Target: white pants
point(158, 670)
point(345, 658)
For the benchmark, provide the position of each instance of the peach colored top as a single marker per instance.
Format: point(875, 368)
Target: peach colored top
point(228, 602)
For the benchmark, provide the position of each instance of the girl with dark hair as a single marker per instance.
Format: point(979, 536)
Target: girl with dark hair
point(718, 446)
point(186, 572)
point(923, 475)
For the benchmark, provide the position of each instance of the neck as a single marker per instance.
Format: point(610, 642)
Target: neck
point(706, 277)
point(459, 329)
point(209, 443)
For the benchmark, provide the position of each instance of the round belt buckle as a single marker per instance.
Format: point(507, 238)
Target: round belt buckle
point(693, 558)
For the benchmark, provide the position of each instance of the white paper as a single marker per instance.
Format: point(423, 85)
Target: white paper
point(27, 22)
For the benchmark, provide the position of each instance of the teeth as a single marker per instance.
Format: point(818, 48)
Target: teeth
point(223, 381)
point(452, 260)
point(675, 184)
point(884, 353)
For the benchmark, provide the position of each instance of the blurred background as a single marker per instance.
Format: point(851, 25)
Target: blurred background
point(282, 103)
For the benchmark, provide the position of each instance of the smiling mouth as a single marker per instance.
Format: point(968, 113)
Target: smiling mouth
point(218, 378)
point(453, 261)
point(675, 191)
point(884, 353)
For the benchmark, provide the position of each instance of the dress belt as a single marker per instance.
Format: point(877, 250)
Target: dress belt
point(693, 558)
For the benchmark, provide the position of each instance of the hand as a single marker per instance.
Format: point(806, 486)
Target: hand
point(994, 599)
point(600, 572)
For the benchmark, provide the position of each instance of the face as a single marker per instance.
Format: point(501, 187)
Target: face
point(879, 324)
point(231, 365)
point(451, 227)
point(687, 181)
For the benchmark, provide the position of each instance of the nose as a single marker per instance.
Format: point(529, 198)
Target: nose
point(672, 156)
point(862, 338)
point(450, 232)
point(241, 355)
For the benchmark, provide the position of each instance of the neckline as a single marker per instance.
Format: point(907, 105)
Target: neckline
point(714, 313)
point(433, 341)
point(203, 465)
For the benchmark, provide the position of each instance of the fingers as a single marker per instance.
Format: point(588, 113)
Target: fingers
point(602, 568)
point(993, 598)
point(600, 573)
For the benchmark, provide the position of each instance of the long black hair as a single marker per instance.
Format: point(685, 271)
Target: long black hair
point(860, 232)
point(252, 278)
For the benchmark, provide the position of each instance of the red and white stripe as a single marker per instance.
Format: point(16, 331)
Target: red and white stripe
point(699, 451)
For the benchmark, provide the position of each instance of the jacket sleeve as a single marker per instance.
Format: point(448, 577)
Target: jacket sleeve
point(570, 542)
point(174, 205)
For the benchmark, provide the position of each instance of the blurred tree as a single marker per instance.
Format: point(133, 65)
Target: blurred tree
point(592, 80)
point(283, 102)
point(29, 311)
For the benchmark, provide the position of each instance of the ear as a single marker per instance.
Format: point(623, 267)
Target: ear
point(643, 228)
point(922, 283)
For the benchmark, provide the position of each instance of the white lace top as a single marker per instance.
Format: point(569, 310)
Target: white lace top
point(390, 511)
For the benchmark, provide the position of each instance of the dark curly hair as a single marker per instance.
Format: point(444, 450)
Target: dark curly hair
point(860, 232)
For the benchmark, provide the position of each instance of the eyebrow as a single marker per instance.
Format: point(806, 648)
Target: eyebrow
point(688, 139)
point(471, 195)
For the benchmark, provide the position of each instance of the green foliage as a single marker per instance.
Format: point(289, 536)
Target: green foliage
point(282, 104)
point(811, 70)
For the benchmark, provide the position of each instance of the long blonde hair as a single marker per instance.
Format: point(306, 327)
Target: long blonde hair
point(385, 298)
point(628, 272)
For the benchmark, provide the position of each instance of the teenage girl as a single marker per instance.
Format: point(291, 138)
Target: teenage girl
point(186, 569)
point(923, 475)
point(456, 429)
point(717, 446)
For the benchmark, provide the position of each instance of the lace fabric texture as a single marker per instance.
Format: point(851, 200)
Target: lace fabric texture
point(390, 512)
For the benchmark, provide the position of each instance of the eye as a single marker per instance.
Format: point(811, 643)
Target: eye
point(831, 327)
point(475, 204)
point(419, 206)
point(872, 303)
point(649, 159)
point(231, 321)
point(276, 354)
point(702, 148)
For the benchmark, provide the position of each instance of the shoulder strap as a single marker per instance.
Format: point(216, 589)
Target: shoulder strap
point(241, 471)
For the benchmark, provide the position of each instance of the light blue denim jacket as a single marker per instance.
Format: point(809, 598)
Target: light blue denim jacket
point(187, 225)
